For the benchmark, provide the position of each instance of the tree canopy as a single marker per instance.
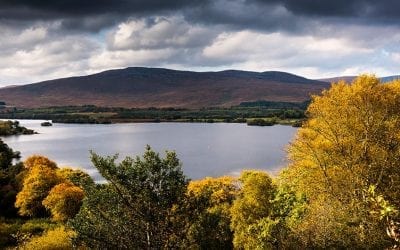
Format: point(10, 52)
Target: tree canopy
point(10, 176)
point(349, 146)
point(135, 209)
point(48, 189)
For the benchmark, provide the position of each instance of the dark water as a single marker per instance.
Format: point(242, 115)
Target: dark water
point(204, 149)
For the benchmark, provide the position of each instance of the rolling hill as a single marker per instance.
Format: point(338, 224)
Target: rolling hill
point(349, 79)
point(157, 87)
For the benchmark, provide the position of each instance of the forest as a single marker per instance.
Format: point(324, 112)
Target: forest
point(340, 190)
point(269, 112)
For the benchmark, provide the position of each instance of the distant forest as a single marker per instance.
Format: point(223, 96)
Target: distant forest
point(272, 112)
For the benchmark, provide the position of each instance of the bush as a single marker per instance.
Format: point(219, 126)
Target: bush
point(57, 238)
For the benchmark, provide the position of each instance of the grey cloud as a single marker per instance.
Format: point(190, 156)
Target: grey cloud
point(269, 15)
point(158, 33)
point(47, 39)
point(339, 8)
point(63, 8)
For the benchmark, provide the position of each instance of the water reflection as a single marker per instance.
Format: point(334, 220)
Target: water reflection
point(204, 149)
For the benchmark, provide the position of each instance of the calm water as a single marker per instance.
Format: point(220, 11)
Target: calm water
point(204, 149)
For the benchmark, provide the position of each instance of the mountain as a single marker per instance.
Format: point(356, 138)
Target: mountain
point(157, 87)
point(390, 78)
point(351, 78)
point(338, 78)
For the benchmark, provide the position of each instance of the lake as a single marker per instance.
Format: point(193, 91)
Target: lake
point(205, 149)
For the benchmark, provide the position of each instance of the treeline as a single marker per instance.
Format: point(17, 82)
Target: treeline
point(339, 191)
point(92, 114)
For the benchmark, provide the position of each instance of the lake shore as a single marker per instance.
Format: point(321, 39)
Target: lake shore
point(267, 115)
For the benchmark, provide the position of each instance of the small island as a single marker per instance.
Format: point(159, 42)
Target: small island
point(46, 124)
point(13, 128)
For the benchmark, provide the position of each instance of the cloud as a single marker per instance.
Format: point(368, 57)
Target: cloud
point(159, 32)
point(42, 39)
point(157, 41)
point(268, 15)
point(32, 53)
point(279, 51)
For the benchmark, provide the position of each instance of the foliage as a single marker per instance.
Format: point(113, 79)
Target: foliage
point(208, 204)
point(263, 213)
point(9, 180)
point(39, 161)
point(57, 238)
point(93, 114)
point(6, 231)
point(276, 105)
point(64, 201)
point(46, 188)
point(39, 180)
point(75, 176)
point(18, 231)
point(7, 155)
point(13, 128)
point(261, 122)
point(251, 209)
point(135, 209)
point(350, 143)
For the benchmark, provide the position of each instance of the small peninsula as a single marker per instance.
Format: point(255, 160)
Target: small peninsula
point(14, 128)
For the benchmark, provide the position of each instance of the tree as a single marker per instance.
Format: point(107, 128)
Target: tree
point(64, 201)
point(350, 143)
point(9, 180)
point(38, 160)
point(46, 188)
point(135, 208)
point(251, 211)
point(208, 203)
point(40, 178)
point(7, 155)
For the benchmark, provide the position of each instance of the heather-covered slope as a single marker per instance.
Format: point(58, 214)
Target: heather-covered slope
point(157, 87)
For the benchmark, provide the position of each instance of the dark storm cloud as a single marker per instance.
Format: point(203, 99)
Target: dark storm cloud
point(52, 8)
point(342, 8)
point(87, 15)
point(43, 39)
point(287, 15)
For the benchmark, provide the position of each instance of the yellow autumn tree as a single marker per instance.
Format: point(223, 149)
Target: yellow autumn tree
point(40, 178)
point(350, 144)
point(209, 201)
point(46, 188)
point(38, 160)
point(251, 222)
point(64, 201)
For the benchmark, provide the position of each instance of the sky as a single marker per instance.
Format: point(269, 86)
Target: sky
point(47, 39)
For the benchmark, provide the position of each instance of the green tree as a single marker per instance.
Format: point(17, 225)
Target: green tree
point(349, 144)
point(135, 208)
point(9, 180)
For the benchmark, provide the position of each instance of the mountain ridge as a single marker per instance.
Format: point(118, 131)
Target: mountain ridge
point(160, 87)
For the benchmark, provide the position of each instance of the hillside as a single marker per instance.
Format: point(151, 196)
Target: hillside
point(157, 87)
point(339, 78)
point(348, 79)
